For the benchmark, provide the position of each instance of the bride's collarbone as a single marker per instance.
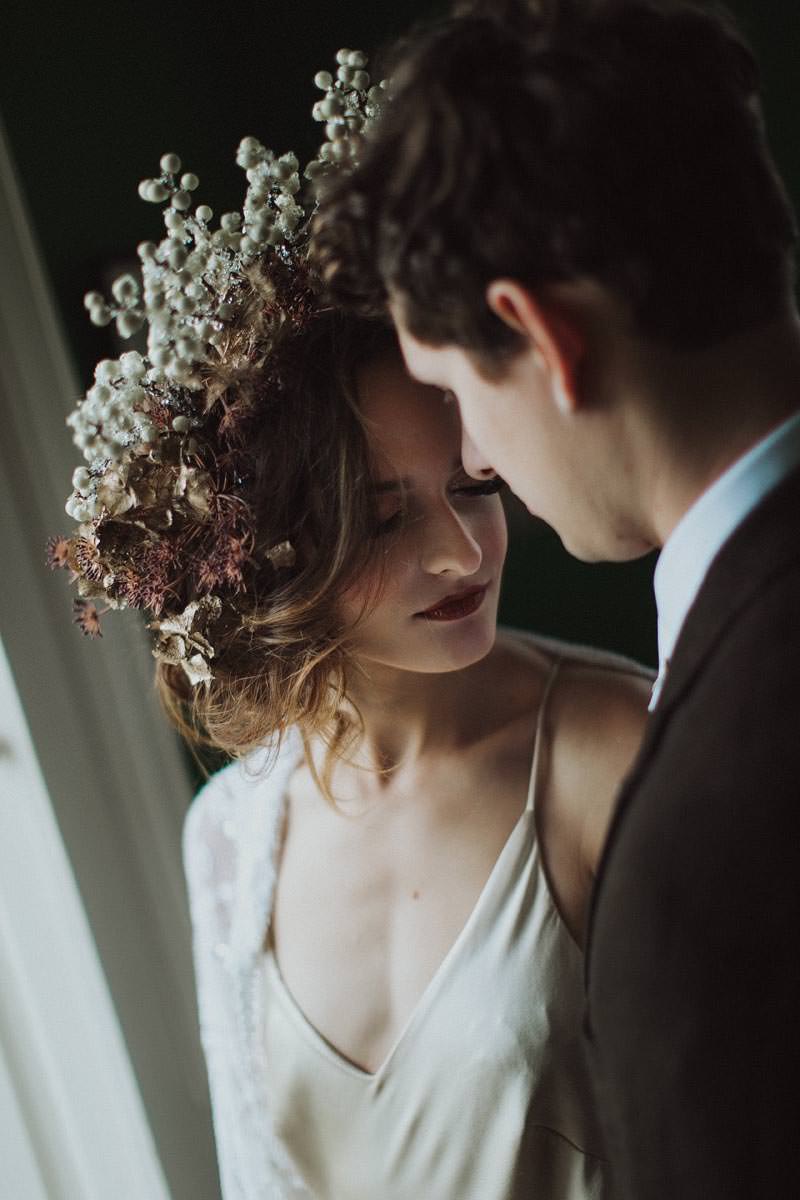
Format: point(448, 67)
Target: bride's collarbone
point(367, 911)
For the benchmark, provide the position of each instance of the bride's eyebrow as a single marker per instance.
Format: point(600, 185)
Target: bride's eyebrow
point(381, 486)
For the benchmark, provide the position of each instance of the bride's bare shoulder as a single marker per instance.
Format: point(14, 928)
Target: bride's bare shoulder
point(542, 649)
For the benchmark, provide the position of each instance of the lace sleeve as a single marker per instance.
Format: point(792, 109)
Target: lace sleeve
point(229, 844)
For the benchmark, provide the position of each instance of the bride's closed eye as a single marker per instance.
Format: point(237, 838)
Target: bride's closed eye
point(488, 487)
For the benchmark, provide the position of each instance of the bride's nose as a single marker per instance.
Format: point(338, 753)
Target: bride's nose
point(447, 545)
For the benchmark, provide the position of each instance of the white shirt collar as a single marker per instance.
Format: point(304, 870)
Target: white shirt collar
point(701, 533)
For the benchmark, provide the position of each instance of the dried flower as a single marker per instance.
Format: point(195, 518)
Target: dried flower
point(57, 553)
point(87, 618)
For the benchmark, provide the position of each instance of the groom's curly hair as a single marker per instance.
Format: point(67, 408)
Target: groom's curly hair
point(620, 140)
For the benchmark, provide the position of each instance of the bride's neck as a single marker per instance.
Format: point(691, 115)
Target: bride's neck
point(406, 716)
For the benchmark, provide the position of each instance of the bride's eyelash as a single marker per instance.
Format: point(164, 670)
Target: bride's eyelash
point(489, 487)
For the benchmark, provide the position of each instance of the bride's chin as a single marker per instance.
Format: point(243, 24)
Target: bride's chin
point(454, 649)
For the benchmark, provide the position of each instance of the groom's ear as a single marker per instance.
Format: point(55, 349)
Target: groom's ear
point(553, 334)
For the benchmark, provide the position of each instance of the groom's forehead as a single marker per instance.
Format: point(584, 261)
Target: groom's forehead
point(429, 364)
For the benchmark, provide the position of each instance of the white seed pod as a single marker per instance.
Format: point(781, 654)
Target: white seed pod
point(357, 58)
point(134, 396)
point(129, 323)
point(148, 433)
point(189, 182)
point(107, 370)
point(186, 348)
point(132, 365)
point(93, 299)
point(182, 200)
point(316, 111)
point(332, 106)
point(343, 56)
point(323, 80)
point(177, 257)
point(146, 251)
point(204, 213)
point(281, 170)
point(250, 152)
point(170, 164)
point(156, 192)
point(161, 356)
point(314, 169)
point(144, 188)
point(376, 94)
point(249, 245)
point(230, 221)
point(124, 288)
point(360, 81)
point(81, 479)
point(335, 130)
point(72, 502)
point(346, 74)
point(225, 311)
point(101, 315)
point(341, 150)
point(174, 221)
point(181, 424)
point(179, 371)
point(326, 152)
point(185, 305)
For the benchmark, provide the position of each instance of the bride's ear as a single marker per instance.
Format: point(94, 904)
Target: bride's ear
point(554, 337)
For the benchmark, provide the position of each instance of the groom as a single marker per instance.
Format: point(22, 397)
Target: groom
point(571, 212)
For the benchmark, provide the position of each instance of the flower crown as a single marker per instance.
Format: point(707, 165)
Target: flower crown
point(164, 520)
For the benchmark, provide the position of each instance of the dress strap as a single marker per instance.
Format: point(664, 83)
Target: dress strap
point(539, 737)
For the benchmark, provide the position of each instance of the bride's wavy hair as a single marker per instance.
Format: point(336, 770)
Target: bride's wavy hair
point(286, 664)
point(552, 140)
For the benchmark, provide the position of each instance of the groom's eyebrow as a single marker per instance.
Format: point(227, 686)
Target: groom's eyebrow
point(382, 486)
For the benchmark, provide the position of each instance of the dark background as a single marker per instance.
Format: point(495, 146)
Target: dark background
point(93, 93)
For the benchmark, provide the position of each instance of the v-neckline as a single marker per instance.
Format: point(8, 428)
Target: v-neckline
point(434, 984)
point(425, 999)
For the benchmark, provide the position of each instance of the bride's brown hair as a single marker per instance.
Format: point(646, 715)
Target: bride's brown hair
point(287, 663)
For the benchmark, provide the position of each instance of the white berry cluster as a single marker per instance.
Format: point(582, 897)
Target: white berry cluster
point(350, 102)
point(110, 426)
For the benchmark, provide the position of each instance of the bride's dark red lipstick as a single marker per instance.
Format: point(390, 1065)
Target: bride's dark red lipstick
point(453, 608)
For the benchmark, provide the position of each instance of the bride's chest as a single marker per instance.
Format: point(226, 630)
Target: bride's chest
point(366, 913)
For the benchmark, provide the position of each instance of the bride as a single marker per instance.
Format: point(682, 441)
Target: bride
point(388, 906)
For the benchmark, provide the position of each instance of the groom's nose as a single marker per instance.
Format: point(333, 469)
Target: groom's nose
point(473, 462)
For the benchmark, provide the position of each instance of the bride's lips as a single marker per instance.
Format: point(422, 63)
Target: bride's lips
point(456, 606)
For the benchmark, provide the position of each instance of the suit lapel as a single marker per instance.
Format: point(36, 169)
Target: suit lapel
point(765, 545)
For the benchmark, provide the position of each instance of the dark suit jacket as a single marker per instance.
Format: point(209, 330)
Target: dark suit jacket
point(693, 945)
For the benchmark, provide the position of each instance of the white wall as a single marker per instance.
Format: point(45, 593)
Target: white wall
point(113, 775)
